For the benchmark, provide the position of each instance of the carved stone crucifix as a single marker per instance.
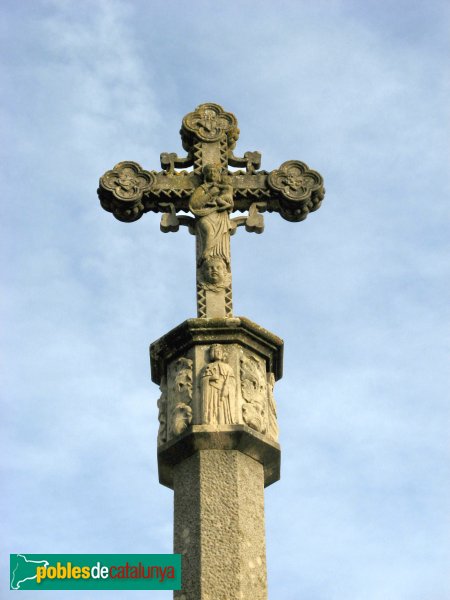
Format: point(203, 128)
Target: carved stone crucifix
point(218, 432)
point(211, 192)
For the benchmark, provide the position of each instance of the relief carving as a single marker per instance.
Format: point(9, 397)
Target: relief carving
point(122, 189)
point(300, 188)
point(213, 275)
point(253, 390)
point(127, 181)
point(183, 380)
point(218, 385)
point(181, 397)
point(181, 418)
point(295, 180)
point(162, 412)
point(209, 122)
point(273, 423)
point(211, 203)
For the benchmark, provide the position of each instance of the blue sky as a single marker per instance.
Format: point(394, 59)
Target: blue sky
point(358, 291)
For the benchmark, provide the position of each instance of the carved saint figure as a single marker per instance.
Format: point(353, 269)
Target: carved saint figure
point(211, 203)
point(218, 389)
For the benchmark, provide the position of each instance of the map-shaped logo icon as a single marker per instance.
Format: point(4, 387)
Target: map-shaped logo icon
point(23, 569)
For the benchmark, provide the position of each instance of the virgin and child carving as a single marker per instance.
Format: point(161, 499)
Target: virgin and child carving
point(211, 203)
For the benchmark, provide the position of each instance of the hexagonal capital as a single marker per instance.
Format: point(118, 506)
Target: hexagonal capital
point(231, 437)
point(217, 378)
point(235, 330)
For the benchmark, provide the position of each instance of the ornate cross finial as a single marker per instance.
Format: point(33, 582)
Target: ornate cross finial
point(211, 192)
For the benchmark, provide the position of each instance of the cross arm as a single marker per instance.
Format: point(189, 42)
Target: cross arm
point(209, 135)
point(293, 190)
point(128, 191)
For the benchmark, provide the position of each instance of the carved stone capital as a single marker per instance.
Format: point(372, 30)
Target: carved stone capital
point(237, 330)
point(231, 437)
point(217, 378)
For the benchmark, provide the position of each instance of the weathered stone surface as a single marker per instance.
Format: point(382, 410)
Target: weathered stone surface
point(218, 430)
point(226, 437)
point(209, 135)
point(217, 448)
point(219, 526)
point(216, 372)
point(240, 330)
point(216, 378)
point(211, 192)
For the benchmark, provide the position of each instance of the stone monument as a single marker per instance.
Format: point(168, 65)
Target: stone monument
point(218, 433)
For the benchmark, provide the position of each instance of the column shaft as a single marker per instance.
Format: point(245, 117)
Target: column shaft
point(219, 526)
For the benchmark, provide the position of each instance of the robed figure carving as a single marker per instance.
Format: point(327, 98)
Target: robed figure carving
point(218, 385)
point(211, 203)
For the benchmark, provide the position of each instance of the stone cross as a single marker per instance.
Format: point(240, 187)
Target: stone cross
point(211, 192)
point(218, 434)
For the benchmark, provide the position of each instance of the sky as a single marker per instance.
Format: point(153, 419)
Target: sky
point(358, 291)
